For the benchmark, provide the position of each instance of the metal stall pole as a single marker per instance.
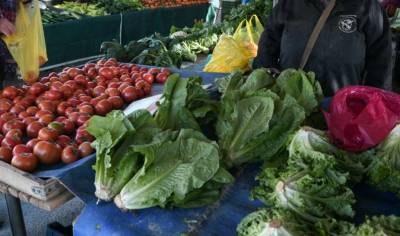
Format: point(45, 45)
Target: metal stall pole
point(15, 215)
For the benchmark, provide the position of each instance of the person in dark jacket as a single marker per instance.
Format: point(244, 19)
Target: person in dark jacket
point(353, 48)
point(8, 66)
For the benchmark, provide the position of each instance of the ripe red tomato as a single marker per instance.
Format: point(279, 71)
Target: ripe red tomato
point(74, 102)
point(84, 98)
point(67, 91)
point(33, 129)
point(143, 85)
point(106, 72)
point(72, 72)
point(8, 116)
point(42, 113)
point(117, 102)
point(70, 154)
point(23, 115)
point(165, 71)
point(112, 92)
point(13, 124)
point(47, 134)
point(21, 148)
point(11, 142)
point(47, 106)
point(83, 136)
point(73, 84)
point(85, 149)
point(62, 107)
point(129, 94)
point(25, 162)
point(161, 78)
point(46, 119)
point(86, 109)
point(69, 126)
point(91, 73)
point(64, 140)
point(14, 133)
point(154, 71)
point(10, 92)
point(103, 107)
point(149, 78)
point(99, 90)
point(28, 120)
point(32, 110)
point(82, 119)
point(74, 117)
point(5, 154)
point(57, 126)
point(16, 109)
point(32, 143)
point(47, 152)
point(5, 105)
point(81, 80)
point(37, 88)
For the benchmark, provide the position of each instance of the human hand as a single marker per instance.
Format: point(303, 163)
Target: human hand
point(6, 27)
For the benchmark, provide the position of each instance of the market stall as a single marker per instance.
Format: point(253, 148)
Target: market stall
point(155, 149)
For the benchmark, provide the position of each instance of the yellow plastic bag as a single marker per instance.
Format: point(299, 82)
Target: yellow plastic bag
point(27, 45)
point(228, 56)
point(235, 52)
point(248, 33)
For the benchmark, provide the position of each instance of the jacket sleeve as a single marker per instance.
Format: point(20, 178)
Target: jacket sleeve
point(270, 40)
point(378, 65)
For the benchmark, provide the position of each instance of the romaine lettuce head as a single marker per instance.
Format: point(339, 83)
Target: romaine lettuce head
point(272, 222)
point(116, 162)
point(174, 167)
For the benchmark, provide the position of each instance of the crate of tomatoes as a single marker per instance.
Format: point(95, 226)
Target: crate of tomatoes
point(43, 124)
point(170, 3)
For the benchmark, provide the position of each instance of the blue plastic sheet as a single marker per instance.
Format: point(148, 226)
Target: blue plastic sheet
point(107, 219)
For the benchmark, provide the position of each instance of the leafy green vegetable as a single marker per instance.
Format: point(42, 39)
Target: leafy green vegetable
point(301, 86)
point(384, 167)
point(254, 123)
point(172, 168)
point(116, 163)
point(380, 225)
point(310, 185)
point(185, 104)
point(272, 222)
point(109, 132)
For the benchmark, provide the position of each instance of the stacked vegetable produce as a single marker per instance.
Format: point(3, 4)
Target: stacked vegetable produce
point(45, 123)
point(308, 187)
point(101, 7)
point(184, 44)
point(170, 3)
point(169, 159)
point(181, 45)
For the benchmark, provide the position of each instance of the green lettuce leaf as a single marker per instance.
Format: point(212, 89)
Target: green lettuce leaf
point(272, 222)
point(301, 86)
point(175, 168)
point(185, 104)
point(384, 167)
point(310, 185)
point(109, 132)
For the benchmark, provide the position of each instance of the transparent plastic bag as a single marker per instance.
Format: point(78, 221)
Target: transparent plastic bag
point(27, 45)
point(228, 56)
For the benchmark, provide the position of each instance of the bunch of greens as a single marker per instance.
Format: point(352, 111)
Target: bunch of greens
point(258, 114)
point(272, 222)
point(168, 51)
point(185, 105)
point(145, 161)
point(309, 183)
point(261, 8)
point(118, 6)
point(384, 166)
point(89, 9)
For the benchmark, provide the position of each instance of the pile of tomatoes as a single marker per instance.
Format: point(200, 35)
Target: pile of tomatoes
point(52, 114)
